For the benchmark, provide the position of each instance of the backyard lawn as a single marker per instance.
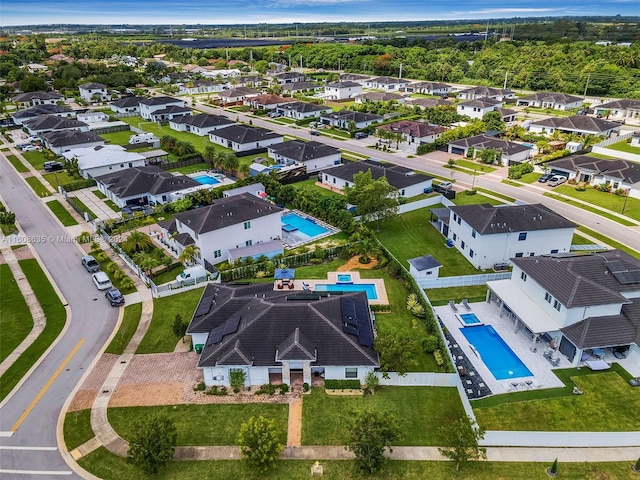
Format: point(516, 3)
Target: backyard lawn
point(118, 138)
point(609, 201)
point(110, 467)
point(63, 215)
point(160, 337)
point(127, 329)
point(15, 321)
point(420, 411)
point(214, 424)
point(411, 235)
point(608, 403)
point(59, 178)
point(441, 296)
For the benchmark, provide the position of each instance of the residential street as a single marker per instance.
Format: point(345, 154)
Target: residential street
point(31, 451)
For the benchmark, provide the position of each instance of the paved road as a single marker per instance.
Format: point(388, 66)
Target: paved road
point(629, 236)
point(31, 450)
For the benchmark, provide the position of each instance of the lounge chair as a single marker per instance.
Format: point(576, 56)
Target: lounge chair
point(465, 303)
point(554, 362)
point(548, 354)
point(306, 286)
point(598, 352)
point(452, 304)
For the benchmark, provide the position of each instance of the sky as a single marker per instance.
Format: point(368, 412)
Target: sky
point(176, 12)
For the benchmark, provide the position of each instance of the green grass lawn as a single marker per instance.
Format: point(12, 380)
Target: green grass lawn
point(420, 411)
point(111, 467)
point(479, 167)
point(551, 111)
point(411, 235)
point(624, 147)
point(608, 241)
point(311, 183)
point(99, 194)
point(17, 164)
point(318, 271)
point(59, 178)
point(580, 240)
point(168, 275)
point(56, 317)
point(608, 404)
point(530, 177)
point(63, 215)
point(127, 329)
point(160, 337)
point(462, 198)
point(506, 198)
point(441, 296)
point(15, 321)
point(589, 208)
point(599, 155)
point(77, 428)
point(107, 202)
point(215, 424)
point(118, 138)
point(609, 201)
point(81, 204)
point(36, 159)
point(196, 167)
point(37, 186)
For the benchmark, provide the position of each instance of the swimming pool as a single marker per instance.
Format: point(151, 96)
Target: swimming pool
point(468, 319)
point(368, 288)
point(344, 278)
point(495, 353)
point(206, 179)
point(292, 222)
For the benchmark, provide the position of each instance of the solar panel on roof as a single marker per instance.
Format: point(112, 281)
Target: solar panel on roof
point(204, 307)
point(351, 321)
point(627, 277)
point(231, 325)
point(349, 330)
point(216, 335)
point(365, 338)
point(616, 266)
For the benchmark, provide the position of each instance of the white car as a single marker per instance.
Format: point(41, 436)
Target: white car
point(556, 180)
point(101, 280)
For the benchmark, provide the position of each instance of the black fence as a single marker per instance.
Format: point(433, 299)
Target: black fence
point(113, 129)
point(180, 163)
point(253, 151)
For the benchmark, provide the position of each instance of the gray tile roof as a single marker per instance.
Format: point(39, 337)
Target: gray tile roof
point(225, 212)
point(428, 102)
point(484, 141)
point(481, 102)
point(577, 123)
point(348, 116)
point(622, 104)
point(605, 331)
point(625, 170)
point(426, 262)
point(46, 109)
point(561, 98)
point(238, 92)
point(245, 134)
point(65, 138)
point(343, 84)
point(93, 86)
point(487, 91)
point(125, 102)
point(269, 324)
point(159, 101)
point(303, 107)
point(380, 96)
point(416, 129)
point(29, 96)
point(141, 180)
point(171, 109)
point(300, 151)
point(388, 80)
point(397, 176)
point(583, 280)
point(488, 219)
point(297, 86)
point(53, 122)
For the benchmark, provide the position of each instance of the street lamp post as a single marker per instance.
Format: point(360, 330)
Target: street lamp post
point(624, 205)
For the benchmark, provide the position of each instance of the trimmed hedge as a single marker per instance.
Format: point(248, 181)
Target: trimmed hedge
point(78, 185)
point(342, 384)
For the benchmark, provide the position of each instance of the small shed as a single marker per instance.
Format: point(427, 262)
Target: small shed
point(424, 267)
point(256, 168)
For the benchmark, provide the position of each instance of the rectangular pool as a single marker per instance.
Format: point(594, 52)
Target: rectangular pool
point(495, 353)
point(292, 222)
point(368, 288)
point(206, 179)
point(468, 319)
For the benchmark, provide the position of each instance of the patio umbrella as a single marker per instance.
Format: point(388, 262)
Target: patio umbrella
point(284, 274)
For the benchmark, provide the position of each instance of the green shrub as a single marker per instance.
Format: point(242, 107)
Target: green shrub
point(341, 384)
point(429, 344)
point(305, 387)
point(237, 378)
point(284, 388)
point(437, 354)
point(199, 387)
point(266, 389)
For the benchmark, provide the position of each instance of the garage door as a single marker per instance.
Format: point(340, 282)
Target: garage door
point(457, 150)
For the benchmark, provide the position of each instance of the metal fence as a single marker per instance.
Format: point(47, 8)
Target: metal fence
point(419, 379)
point(611, 140)
point(462, 281)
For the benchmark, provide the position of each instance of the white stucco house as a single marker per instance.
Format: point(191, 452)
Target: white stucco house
point(580, 124)
point(162, 108)
point(342, 90)
point(100, 160)
point(552, 100)
point(302, 110)
point(33, 99)
point(408, 182)
point(62, 111)
point(230, 223)
point(53, 123)
point(267, 101)
point(586, 306)
point(243, 138)
point(387, 84)
point(510, 152)
point(201, 124)
point(237, 95)
point(93, 91)
point(273, 337)
point(314, 155)
point(64, 140)
point(429, 88)
point(486, 235)
point(127, 105)
point(624, 109)
point(478, 108)
point(92, 117)
point(476, 93)
point(343, 118)
point(415, 133)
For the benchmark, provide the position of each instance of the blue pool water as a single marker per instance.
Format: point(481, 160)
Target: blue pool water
point(369, 288)
point(344, 278)
point(292, 222)
point(206, 180)
point(495, 353)
point(469, 319)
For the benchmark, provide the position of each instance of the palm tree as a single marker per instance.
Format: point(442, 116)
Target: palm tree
point(189, 254)
point(229, 162)
point(147, 263)
point(209, 155)
point(137, 242)
point(365, 248)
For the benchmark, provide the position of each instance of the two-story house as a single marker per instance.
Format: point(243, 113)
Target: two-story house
point(127, 105)
point(302, 110)
point(478, 108)
point(314, 155)
point(102, 159)
point(475, 93)
point(93, 92)
point(387, 84)
point(486, 234)
point(343, 119)
point(342, 90)
point(162, 108)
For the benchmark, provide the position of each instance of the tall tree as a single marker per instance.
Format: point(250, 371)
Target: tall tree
point(259, 442)
point(370, 433)
point(398, 352)
point(375, 200)
point(153, 444)
point(461, 441)
point(189, 254)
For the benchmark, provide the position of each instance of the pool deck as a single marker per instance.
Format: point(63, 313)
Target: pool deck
point(222, 179)
point(291, 240)
point(521, 344)
point(332, 277)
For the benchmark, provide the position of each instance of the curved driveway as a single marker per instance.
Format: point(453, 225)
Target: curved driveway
point(30, 451)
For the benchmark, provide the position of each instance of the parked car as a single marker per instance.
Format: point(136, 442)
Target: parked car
point(90, 263)
point(360, 135)
point(29, 148)
point(274, 114)
point(101, 280)
point(545, 177)
point(115, 297)
point(52, 166)
point(556, 180)
point(445, 185)
point(315, 132)
point(635, 382)
point(191, 274)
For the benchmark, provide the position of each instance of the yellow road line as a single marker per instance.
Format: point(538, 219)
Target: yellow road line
point(47, 385)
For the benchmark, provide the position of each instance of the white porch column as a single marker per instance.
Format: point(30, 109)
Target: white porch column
point(286, 373)
point(306, 372)
point(577, 357)
point(488, 296)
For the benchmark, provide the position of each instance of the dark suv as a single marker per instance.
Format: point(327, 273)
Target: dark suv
point(115, 297)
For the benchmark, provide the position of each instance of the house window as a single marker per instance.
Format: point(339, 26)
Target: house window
point(455, 237)
point(523, 276)
point(556, 305)
point(459, 221)
point(555, 250)
point(471, 253)
point(473, 233)
point(248, 243)
point(217, 254)
point(547, 297)
point(518, 255)
point(532, 254)
point(462, 245)
point(247, 225)
point(522, 236)
point(350, 372)
point(455, 217)
point(402, 192)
